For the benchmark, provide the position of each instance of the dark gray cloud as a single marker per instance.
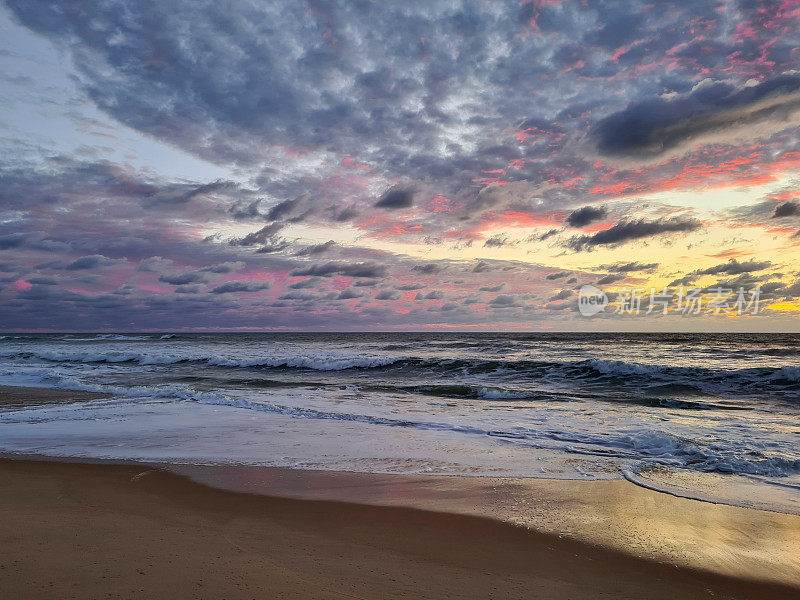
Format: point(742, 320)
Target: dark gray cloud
point(652, 127)
point(259, 237)
point(610, 278)
point(586, 215)
point(396, 197)
point(559, 275)
point(503, 301)
point(230, 287)
point(786, 209)
point(349, 294)
point(629, 267)
point(628, 231)
point(291, 211)
point(316, 249)
point(282, 209)
point(427, 268)
point(562, 295)
point(226, 267)
point(734, 267)
point(194, 288)
point(89, 262)
point(184, 278)
point(346, 214)
point(35, 240)
point(496, 241)
point(180, 196)
point(432, 295)
point(329, 269)
point(387, 295)
point(271, 248)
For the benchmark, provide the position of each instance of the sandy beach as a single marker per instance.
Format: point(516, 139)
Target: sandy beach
point(116, 531)
point(102, 530)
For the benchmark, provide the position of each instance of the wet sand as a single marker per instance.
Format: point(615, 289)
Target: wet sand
point(115, 531)
point(19, 397)
point(80, 530)
point(613, 514)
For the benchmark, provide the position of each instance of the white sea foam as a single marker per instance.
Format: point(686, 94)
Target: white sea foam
point(500, 394)
point(440, 410)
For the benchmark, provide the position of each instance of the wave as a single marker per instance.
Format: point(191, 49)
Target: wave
point(687, 380)
point(318, 363)
point(109, 337)
point(647, 447)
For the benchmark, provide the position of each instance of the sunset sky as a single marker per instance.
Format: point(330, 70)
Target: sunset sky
point(413, 165)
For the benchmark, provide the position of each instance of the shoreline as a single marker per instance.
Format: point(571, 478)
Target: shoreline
point(616, 516)
point(734, 491)
point(89, 530)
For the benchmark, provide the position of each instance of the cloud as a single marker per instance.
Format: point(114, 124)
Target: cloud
point(559, 275)
point(432, 295)
point(503, 301)
point(711, 111)
point(461, 121)
point(316, 249)
point(496, 241)
point(346, 214)
point(610, 278)
point(628, 231)
point(292, 211)
point(180, 196)
point(628, 267)
point(230, 287)
point(427, 268)
point(786, 209)
point(396, 197)
point(259, 237)
point(387, 295)
point(225, 267)
point(562, 295)
point(154, 264)
point(35, 240)
point(305, 284)
point(349, 294)
point(734, 267)
point(329, 269)
point(194, 288)
point(271, 248)
point(184, 278)
point(89, 262)
point(583, 216)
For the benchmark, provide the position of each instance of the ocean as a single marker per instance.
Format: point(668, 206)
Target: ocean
point(706, 416)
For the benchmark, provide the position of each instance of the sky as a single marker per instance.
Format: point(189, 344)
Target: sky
point(433, 165)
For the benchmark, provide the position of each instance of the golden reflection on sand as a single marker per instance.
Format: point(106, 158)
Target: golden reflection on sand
point(615, 514)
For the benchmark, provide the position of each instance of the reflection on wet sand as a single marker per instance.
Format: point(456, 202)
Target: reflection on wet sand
point(615, 514)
